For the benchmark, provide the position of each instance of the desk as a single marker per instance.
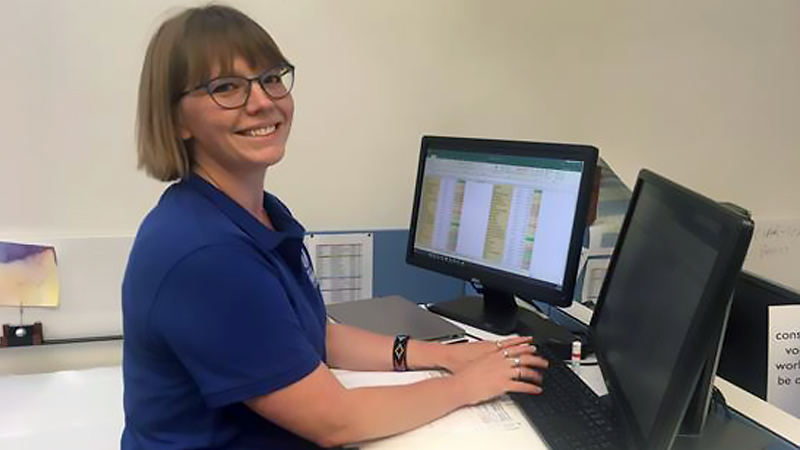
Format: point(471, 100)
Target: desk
point(69, 410)
point(748, 406)
point(752, 424)
point(82, 410)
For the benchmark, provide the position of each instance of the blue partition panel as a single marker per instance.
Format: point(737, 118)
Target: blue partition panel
point(392, 276)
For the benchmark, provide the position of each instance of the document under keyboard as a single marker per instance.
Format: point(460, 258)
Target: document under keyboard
point(568, 414)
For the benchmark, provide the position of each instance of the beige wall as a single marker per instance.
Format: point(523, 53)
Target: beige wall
point(51, 358)
point(706, 92)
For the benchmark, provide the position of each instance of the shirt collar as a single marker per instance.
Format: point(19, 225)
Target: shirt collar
point(286, 227)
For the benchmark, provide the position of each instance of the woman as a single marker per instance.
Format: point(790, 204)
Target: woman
point(226, 339)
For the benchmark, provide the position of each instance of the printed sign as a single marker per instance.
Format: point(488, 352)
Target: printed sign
point(783, 371)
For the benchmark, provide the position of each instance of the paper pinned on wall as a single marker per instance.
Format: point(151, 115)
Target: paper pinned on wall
point(596, 268)
point(342, 265)
point(28, 275)
point(775, 251)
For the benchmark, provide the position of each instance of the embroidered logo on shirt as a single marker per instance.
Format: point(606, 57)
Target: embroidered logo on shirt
point(312, 277)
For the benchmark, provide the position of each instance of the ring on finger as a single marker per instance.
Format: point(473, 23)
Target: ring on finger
point(519, 373)
point(505, 353)
point(515, 362)
point(498, 344)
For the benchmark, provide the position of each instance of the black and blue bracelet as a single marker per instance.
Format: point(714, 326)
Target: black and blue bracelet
point(400, 353)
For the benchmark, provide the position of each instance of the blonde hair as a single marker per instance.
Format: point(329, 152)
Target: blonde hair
point(181, 55)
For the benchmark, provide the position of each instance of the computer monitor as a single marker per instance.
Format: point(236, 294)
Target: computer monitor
point(508, 215)
point(663, 306)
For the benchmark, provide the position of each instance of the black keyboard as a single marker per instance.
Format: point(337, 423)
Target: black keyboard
point(568, 414)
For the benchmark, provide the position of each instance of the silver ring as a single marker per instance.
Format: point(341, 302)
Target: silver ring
point(505, 353)
point(497, 343)
point(515, 362)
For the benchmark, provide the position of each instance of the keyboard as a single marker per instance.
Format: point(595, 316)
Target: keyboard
point(568, 414)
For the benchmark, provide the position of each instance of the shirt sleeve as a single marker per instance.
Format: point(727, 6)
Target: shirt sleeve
point(229, 322)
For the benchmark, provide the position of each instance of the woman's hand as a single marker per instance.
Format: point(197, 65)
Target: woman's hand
point(511, 366)
point(459, 356)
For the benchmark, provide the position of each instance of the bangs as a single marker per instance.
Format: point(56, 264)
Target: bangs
point(215, 37)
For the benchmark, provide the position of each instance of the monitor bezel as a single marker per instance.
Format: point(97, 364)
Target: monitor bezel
point(700, 341)
point(519, 285)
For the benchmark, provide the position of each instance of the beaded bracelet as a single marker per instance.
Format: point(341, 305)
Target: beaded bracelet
point(400, 353)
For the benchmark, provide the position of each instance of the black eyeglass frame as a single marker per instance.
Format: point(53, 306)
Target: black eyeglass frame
point(280, 70)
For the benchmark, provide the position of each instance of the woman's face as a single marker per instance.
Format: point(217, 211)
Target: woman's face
point(252, 137)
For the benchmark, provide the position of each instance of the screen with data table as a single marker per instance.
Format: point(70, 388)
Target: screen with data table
point(506, 212)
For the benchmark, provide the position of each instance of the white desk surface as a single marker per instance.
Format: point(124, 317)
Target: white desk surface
point(69, 410)
point(82, 410)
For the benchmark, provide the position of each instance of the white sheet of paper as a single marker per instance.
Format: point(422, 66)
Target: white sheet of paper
point(775, 250)
point(355, 379)
point(342, 265)
point(783, 361)
point(498, 422)
point(595, 274)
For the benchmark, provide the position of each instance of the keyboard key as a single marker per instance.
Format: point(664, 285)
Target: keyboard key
point(568, 414)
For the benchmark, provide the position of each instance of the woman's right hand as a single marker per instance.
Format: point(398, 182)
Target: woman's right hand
point(512, 369)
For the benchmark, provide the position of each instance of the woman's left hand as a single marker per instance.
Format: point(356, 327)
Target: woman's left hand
point(459, 356)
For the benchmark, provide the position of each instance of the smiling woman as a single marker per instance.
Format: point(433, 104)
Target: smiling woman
point(227, 344)
point(195, 52)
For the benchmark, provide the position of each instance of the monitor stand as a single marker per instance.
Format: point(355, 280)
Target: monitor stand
point(694, 419)
point(497, 312)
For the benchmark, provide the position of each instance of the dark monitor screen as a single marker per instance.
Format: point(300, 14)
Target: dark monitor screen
point(662, 307)
point(509, 215)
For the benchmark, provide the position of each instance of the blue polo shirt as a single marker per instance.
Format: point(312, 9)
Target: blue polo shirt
point(217, 309)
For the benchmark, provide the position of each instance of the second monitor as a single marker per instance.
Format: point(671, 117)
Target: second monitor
point(508, 215)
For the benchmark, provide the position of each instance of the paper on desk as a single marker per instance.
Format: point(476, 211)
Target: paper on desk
point(354, 379)
point(494, 424)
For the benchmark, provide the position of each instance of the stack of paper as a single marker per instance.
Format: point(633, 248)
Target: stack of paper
point(495, 424)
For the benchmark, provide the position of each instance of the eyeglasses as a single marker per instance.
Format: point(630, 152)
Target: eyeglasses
point(233, 92)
